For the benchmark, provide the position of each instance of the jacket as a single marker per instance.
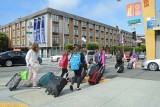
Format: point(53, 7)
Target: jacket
point(64, 62)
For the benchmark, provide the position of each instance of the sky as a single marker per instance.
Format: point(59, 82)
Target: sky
point(109, 12)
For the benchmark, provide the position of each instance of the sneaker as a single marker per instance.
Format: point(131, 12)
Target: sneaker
point(71, 87)
point(78, 89)
point(117, 68)
point(36, 87)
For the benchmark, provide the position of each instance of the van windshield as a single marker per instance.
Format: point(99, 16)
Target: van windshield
point(90, 53)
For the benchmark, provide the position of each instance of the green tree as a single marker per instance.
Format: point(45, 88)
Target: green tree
point(3, 42)
point(143, 48)
point(113, 48)
point(68, 46)
point(92, 46)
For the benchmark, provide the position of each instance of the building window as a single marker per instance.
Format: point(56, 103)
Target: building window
point(76, 22)
point(55, 29)
point(18, 42)
point(110, 30)
point(13, 34)
point(55, 40)
point(23, 24)
point(97, 41)
point(102, 28)
point(13, 27)
point(106, 30)
point(97, 35)
point(55, 18)
point(97, 27)
point(75, 31)
point(23, 42)
point(83, 33)
point(13, 42)
point(66, 41)
point(83, 24)
point(75, 40)
point(102, 35)
point(23, 33)
point(18, 25)
point(91, 26)
point(91, 34)
point(66, 31)
point(18, 33)
point(66, 20)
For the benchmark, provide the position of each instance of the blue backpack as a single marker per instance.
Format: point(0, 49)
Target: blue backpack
point(97, 58)
point(75, 61)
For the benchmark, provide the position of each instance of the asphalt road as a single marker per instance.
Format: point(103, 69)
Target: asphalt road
point(110, 72)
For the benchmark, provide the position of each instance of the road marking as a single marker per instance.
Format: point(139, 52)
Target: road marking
point(9, 104)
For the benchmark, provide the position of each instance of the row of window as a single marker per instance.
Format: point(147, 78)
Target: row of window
point(18, 42)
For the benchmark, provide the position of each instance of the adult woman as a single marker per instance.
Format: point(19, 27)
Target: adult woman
point(33, 65)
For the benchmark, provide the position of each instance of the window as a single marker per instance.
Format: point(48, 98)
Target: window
point(66, 31)
point(13, 34)
point(75, 40)
point(76, 22)
point(55, 29)
point(23, 33)
point(97, 41)
point(97, 35)
point(13, 42)
point(55, 41)
point(83, 24)
point(66, 41)
point(18, 25)
point(102, 28)
point(18, 42)
point(18, 33)
point(102, 35)
point(75, 31)
point(97, 27)
point(90, 33)
point(13, 27)
point(83, 33)
point(66, 20)
point(23, 24)
point(55, 18)
point(91, 26)
point(23, 42)
point(110, 30)
point(107, 30)
point(7, 30)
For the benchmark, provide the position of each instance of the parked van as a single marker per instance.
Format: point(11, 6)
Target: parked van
point(90, 55)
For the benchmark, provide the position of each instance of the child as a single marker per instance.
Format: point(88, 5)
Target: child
point(64, 63)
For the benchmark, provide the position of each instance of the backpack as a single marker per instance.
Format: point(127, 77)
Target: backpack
point(97, 58)
point(75, 61)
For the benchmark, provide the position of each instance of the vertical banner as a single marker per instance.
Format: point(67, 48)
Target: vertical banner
point(146, 3)
point(137, 9)
point(129, 10)
point(35, 30)
point(38, 31)
point(43, 30)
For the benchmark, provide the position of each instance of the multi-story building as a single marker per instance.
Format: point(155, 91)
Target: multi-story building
point(53, 28)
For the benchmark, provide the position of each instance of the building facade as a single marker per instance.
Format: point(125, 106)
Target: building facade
point(53, 28)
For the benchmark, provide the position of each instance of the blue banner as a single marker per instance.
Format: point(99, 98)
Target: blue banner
point(38, 31)
point(35, 29)
point(43, 30)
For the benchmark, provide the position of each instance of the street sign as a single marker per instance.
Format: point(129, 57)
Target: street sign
point(134, 21)
point(28, 32)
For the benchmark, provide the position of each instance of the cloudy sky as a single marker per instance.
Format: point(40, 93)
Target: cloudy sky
point(109, 12)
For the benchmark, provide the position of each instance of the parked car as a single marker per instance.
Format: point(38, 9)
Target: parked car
point(108, 55)
point(152, 65)
point(142, 56)
point(55, 58)
point(10, 58)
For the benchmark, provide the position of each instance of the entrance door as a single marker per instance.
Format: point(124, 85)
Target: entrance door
point(157, 44)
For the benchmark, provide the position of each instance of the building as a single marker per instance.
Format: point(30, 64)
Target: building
point(151, 20)
point(53, 28)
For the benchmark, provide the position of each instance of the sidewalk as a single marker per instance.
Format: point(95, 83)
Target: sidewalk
point(117, 92)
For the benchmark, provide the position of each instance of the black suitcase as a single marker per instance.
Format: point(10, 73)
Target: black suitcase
point(120, 69)
point(13, 83)
point(55, 86)
point(93, 69)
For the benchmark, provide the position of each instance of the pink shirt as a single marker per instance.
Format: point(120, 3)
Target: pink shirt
point(103, 61)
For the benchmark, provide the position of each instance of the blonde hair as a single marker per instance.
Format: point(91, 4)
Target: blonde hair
point(65, 53)
point(35, 46)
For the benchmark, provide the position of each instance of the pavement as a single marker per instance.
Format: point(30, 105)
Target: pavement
point(116, 92)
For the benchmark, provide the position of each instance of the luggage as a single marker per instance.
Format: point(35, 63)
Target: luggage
point(96, 77)
point(120, 69)
point(129, 66)
point(55, 85)
point(93, 69)
point(13, 83)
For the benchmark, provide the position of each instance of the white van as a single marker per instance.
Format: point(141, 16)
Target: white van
point(90, 55)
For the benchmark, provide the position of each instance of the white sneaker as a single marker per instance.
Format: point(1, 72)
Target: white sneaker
point(117, 68)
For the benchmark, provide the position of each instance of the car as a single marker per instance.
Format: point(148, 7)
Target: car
point(90, 54)
point(152, 65)
point(10, 58)
point(56, 58)
point(108, 55)
point(142, 56)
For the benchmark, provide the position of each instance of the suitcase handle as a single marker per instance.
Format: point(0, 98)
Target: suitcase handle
point(101, 69)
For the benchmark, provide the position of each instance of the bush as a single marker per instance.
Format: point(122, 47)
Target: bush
point(112, 49)
point(68, 46)
point(92, 46)
point(143, 48)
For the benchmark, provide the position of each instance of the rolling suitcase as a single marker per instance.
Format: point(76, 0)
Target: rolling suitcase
point(55, 86)
point(129, 66)
point(13, 83)
point(96, 77)
point(93, 69)
point(120, 69)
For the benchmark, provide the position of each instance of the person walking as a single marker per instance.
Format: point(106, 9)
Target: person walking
point(103, 58)
point(33, 65)
point(77, 73)
point(134, 60)
point(64, 64)
point(119, 58)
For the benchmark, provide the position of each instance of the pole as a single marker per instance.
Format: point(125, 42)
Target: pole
point(63, 33)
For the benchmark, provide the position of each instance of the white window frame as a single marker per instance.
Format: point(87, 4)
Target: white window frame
point(66, 41)
point(97, 27)
point(55, 18)
point(83, 33)
point(76, 22)
point(75, 31)
point(83, 24)
point(55, 29)
point(75, 40)
point(66, 20)
point(91, 26)
point(55, 40)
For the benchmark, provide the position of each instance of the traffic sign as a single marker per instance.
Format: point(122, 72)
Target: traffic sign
point(134, 21)
point(28, 32)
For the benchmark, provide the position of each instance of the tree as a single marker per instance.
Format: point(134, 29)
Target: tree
point(68, 46)
point(92, 46)
point(143, 48)
point(113, 49)
point(3, 42)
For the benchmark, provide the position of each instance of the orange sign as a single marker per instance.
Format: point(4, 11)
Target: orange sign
point(129, 10)
point(146, 3)
point(137, 8)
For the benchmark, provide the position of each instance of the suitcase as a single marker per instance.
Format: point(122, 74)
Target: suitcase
point(13, 83)
point(96, 77)
point(129, 66)
point(55, 86)
point(93, 69)
point(120, 69)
